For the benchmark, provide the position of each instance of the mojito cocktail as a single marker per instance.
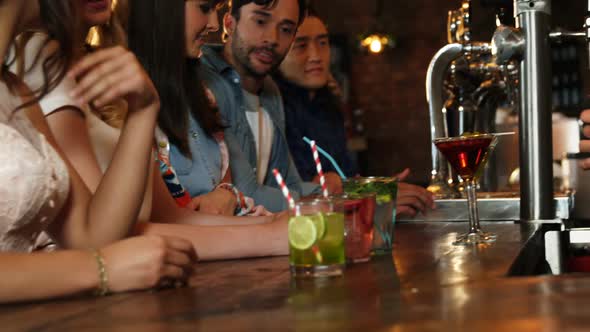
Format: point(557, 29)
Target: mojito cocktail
point(316, 239)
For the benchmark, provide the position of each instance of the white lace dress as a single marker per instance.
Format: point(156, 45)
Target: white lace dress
point(34, 181)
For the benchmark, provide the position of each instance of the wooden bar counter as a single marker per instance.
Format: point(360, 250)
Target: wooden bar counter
point(429, 285)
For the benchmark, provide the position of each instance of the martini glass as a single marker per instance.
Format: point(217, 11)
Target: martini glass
point(468, 155)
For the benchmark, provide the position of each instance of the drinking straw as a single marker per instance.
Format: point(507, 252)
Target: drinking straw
point(284, 189)
point(384, 235)
point(318, 166)
point(327, 155)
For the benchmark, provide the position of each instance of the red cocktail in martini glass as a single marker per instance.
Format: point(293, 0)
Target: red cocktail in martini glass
point(467, 155)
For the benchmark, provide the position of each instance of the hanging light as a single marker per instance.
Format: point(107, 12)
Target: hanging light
point(376, 41)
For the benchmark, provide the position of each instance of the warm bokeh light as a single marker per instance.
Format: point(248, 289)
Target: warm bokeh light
point(376, 46)
point(376, 43)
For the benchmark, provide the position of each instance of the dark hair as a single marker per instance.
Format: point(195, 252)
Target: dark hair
point(59, 20)
point(157, 39)
point(236, 5)
point(311, 10)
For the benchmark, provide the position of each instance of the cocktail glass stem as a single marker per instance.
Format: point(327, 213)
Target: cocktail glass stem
point(472, 202)
point(475, 234)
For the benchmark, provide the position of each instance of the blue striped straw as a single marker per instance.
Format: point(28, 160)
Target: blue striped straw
point(327, 155)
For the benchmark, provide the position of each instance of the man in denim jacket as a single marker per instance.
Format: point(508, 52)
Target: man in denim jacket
point(259, 34)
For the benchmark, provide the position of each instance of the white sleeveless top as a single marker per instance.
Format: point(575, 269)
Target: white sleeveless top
point(34, 181)
point(103, 137)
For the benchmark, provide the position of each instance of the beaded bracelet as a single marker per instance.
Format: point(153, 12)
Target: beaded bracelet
point(103, 287)
point(241, 205)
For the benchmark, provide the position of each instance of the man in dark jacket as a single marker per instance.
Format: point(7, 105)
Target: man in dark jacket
point(313, 109)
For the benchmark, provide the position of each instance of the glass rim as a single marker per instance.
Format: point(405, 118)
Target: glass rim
point(370, 179)
point(314, 201)
point(463, 138)
point(346, 195)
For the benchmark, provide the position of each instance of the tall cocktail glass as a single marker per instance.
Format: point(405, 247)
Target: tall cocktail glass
point(385, 189)
point(359, 211)
point(468, 155)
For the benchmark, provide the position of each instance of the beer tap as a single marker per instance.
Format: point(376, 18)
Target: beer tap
point(528, 44)
point(469, 79)
point(460, 45)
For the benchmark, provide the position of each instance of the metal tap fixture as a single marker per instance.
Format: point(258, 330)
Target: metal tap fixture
point(514, 69)
point(536, 155)
point(528, 43)
point(472, 82)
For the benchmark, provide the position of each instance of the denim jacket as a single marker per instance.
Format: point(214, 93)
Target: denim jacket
point(224, 83)
point(200, 174)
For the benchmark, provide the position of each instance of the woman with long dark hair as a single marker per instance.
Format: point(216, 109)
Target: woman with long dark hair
point(170, 53)
point(39, 192)
point(88, 141)
point(198, 155)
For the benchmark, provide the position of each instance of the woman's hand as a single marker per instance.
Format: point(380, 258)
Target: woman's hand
point(148, 261)
point(219, 201)
point(260, 211)
point(109, 74)
point(282, 216)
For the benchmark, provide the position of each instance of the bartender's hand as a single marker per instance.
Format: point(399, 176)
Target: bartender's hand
point(585, 143)
point(333, 181)
point(412, 199)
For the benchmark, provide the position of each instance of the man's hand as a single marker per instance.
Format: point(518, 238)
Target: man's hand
point(333, 181)
point(412, 199)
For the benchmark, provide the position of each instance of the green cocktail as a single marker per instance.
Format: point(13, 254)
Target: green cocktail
point(316, 240)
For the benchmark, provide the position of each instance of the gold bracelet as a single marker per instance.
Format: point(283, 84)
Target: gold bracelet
point(103, 286)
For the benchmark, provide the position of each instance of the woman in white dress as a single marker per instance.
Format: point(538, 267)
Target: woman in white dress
point(40, 193)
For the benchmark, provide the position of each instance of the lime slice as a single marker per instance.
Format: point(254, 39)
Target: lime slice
point(302, 232)
point(383, 199)
point(319, 221)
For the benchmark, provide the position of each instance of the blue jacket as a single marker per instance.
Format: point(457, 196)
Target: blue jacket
point(224, 82)
point(200, 174)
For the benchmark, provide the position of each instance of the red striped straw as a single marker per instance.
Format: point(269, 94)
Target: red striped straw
point(284, 189)
point(318, 165)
